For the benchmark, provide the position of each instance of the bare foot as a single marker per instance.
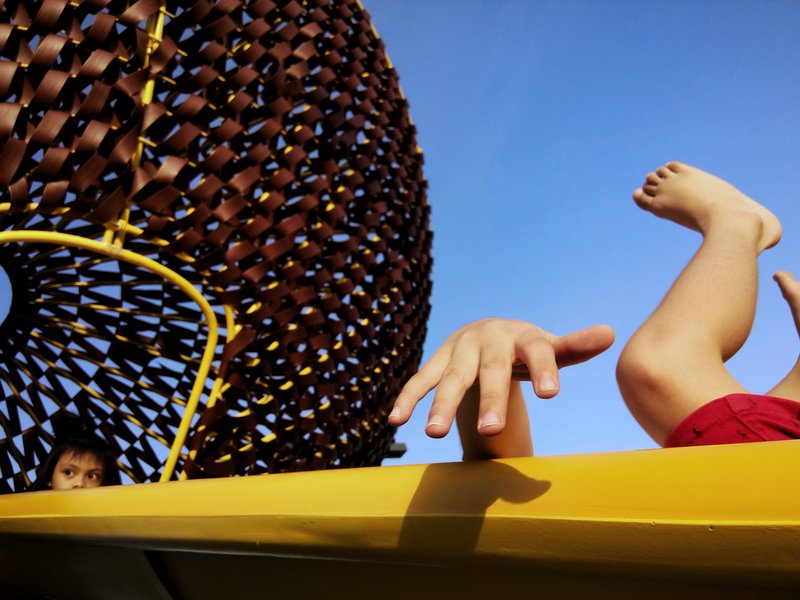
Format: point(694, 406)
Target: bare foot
point(698, 200)
point(790, 288)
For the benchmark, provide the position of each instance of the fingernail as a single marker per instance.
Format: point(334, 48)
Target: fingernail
point(489, 419)
point(435, 421)
point(547, 384)
point(395, 412)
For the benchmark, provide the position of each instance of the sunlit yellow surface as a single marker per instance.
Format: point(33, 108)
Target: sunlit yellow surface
point(658, 523)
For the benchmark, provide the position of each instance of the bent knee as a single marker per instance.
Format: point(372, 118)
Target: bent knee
point(647, 382)
point(645, 366)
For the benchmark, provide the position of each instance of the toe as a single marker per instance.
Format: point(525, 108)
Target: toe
point(790, 287)
point(664, 172)
point(650, 189)
point(642, 198)
point(652, 178)
point(675, 166)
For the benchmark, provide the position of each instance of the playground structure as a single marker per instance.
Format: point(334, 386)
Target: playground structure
point(165, 167)
point(215, 229)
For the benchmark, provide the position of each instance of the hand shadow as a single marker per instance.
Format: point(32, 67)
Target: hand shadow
point(449, 507)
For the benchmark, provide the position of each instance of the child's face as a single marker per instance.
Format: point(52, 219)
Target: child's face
point(77, 471)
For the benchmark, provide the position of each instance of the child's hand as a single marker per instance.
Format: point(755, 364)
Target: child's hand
point(487, 350)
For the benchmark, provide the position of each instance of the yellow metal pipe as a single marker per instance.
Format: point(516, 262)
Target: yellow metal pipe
point(216, 391)
point(155, 31)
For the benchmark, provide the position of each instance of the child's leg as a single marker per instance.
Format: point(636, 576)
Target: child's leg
point(789, 387)
point(674, 363)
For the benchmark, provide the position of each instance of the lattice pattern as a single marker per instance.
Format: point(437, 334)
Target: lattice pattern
point(96, 337)
point(278, 169)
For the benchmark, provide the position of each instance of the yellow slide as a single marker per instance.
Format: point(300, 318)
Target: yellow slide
point(708, 522)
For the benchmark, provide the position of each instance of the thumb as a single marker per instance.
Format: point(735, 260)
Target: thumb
point(580, 346)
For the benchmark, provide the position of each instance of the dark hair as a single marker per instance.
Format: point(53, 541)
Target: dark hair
point(85, 443)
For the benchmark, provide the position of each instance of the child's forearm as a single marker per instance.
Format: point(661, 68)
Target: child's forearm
point(513, 441)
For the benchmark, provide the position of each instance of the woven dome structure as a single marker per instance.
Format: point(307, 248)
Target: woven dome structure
point(261, 154)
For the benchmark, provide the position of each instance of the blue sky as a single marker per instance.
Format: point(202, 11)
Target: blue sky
point(538, 119)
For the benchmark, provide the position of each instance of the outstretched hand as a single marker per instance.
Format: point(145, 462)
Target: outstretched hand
point(487, 350)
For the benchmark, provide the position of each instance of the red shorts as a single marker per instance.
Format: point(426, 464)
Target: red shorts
point(738, 418)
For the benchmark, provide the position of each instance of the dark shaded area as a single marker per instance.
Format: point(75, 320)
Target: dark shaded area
point(100, 572)
point(448, 507)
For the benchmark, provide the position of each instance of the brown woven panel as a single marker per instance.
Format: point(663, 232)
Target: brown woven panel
point(279, 171)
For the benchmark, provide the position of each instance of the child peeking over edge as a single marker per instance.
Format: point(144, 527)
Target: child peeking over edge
point(79, 459)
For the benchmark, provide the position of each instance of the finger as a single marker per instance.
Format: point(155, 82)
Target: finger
point(459, 376)
point(407, 400)
point(580, 346)
point(495, 379)
point(539, 355)
point(419, 385)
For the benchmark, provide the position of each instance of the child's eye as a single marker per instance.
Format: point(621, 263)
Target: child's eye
point(67, 472)
point(94, 476)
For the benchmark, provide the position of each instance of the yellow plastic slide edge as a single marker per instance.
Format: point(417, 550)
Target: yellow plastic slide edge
point(731, 509)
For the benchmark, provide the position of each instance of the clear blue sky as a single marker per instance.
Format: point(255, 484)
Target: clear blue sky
point(537, 120)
